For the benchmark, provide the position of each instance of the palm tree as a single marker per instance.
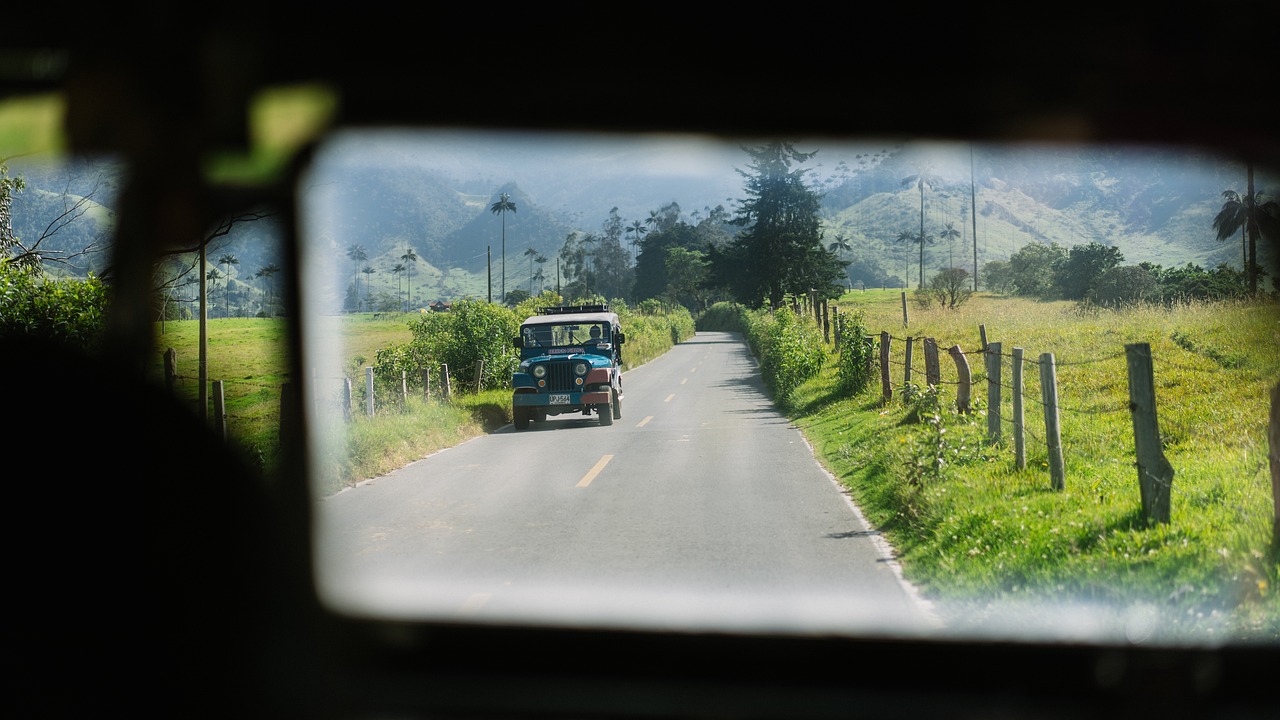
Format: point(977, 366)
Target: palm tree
point(502, 207)
point(1252, 214)
point(637, 230)
point(368, 273)
point(840, 245)
point(212, 277)
point(396, 270)
point(411, 259)
point(922, 179)
point(540, 275)
point(226, 261)
point(949, 234)
point(532, 254)
point(357, 255)
point(267, 274)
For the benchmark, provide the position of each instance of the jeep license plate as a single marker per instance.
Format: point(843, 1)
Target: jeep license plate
point(559, 399)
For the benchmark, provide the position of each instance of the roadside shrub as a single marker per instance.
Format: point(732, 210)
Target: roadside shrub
point(790, 349)
point(472, 332)
point(856, 351)
point(724, 317)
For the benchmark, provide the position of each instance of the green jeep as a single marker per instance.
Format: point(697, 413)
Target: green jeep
point(570, 362)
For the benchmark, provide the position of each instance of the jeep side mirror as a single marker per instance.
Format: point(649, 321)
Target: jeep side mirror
point(620, 338)
point(517, 342)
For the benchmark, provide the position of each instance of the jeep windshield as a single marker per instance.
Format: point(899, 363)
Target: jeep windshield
point(560, 336)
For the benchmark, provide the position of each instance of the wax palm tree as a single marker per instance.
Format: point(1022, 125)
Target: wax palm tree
point(368, 276)
point(532, 254)
point(637, 231)
point(949, 234)
point(357, 255)
point(540, 275)
point(501, 208)
point(410, 259)
point(1253, 214)
point(924, 178)
point(226, 261)
point(212, 277)
point(397, 270)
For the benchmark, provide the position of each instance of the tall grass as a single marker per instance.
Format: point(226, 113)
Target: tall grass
point(978, 532)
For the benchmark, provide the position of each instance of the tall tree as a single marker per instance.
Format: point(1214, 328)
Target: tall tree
point(501, 208)
point(397, 270)
point(973, 215)
point(949, 234)
point(410, 259)
point(531, 253)
point(368, 274)
point(779, 250)
point(1254, 214)
point(226, 261)
point(637, 230)
point(357, 255)
point(922, 179)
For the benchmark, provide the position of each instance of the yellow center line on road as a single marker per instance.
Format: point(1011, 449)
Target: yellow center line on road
point(644, 422)
point(669, 397)
point(586, 479)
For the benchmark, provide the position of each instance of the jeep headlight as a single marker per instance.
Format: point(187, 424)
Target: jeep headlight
point(539, 371)
point(580, 368)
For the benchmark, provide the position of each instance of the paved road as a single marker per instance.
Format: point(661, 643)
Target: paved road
point(701, 508)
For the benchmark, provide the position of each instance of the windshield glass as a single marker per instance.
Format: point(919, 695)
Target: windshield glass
point(563, 335)
point(887, 387)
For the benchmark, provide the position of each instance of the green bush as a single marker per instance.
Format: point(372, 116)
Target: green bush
point(789, 347)
point(473, 331)
point(856, 353)
point(67, 311)
point(724, 317)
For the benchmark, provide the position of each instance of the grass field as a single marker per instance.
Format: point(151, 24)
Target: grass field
point(976, 531)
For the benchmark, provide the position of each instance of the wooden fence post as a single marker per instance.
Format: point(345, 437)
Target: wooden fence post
point(479, 374)
point(446, 387)
point(1049, 395)
point(368, 391)
point(170, 368)
point(219, 410)
point(932, 373)
point(904, 309)
point(991, 359)
point(886, 385)
point(826, 324)
point(982, 332)
point(426, 385)
point(1155, 474)
point(963, 389)
point(906, 373)
point(346, 398)
point(1019, 431)
point(837, 331)
point(288, 422)
point(404, 386)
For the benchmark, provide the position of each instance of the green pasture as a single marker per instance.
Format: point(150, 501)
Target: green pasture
point(978, 532)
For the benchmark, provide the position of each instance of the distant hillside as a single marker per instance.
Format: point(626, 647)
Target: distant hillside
point(1154, 206)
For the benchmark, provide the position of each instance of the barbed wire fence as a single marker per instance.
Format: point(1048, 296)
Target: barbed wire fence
point(1155, 473)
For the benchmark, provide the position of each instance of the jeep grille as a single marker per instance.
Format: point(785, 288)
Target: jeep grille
point(560, 377)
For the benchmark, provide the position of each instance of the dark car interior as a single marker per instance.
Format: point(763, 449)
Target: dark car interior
point(158, 576)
